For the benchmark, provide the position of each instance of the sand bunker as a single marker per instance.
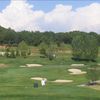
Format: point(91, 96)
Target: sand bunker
point(76, 71)
point(82, 85)
point(33, 65)
point(38, 78)
point(22, 66)
point(77, 65)
point(62, 81)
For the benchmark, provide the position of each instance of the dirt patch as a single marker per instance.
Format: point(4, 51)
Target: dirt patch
point(2, 47)
point(96, 87)
point(64, 51)
point(76, 71)
point(3, 65)
point(62, 81)
point(37, 78)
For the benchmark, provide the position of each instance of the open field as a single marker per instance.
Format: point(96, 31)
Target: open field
point(16, 82)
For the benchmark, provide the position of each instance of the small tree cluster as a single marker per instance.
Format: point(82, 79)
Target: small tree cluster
point(47, 51)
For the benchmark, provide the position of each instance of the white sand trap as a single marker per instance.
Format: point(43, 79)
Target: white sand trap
point(76, 71)
point(82, 85)
point(33, 65)
point(62, 81)
point(77, 65)
point(22, 66)
point(38, 78)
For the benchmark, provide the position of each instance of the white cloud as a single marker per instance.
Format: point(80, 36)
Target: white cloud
point(19, 15)
point(86, 18)
point(57, 19)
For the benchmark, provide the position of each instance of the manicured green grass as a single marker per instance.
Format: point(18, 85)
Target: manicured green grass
point(15, 82)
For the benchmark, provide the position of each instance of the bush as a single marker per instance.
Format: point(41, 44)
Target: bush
point(50, 56)
point(7, 52)
point(48, 51)
point(43, 52)
point(12, 53)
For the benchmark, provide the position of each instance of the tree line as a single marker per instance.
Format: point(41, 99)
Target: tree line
point(10, 37)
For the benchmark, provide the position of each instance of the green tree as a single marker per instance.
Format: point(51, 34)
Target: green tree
point(43, 49)
point(85, 47)
point(7, 52)
point(12, 52)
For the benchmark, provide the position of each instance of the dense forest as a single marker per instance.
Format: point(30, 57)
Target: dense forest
point(10, 37)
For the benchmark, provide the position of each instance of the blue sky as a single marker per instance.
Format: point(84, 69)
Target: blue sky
point(47, 5)
point(50, 15)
